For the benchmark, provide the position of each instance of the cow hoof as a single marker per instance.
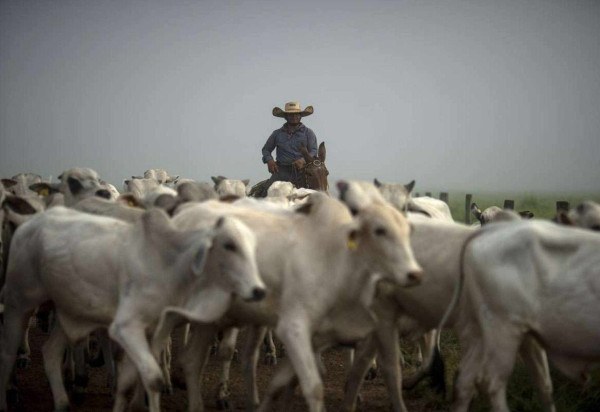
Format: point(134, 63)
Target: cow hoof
point(270, 359)
point(223, 404)
point(167, 390)
point(371, 374)
point(236, 356)
point(23, 363)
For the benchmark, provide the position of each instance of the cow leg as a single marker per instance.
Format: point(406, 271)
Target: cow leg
point(362, 360)
point(270, 349)
point(535, 358)
point(130, 334)
point(53, 351)
point(386, 338)
point(250, 360)
point(281, 380)
point(225, 353)
point(12, 333)
point(109, 359)
point(127, 378)
point(193, 358)
point(295, 335)
point(489, 362)
point(24, 352)
point(81, 372)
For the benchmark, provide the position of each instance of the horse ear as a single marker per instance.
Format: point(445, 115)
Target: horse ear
point(322, 152)
point(306, 155)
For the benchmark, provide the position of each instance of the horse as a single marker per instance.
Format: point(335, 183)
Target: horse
point(312, 176)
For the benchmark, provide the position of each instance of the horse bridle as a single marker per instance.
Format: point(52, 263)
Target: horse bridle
point(316, 163)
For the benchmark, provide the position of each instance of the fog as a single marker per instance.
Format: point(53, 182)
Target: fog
point(459, 95)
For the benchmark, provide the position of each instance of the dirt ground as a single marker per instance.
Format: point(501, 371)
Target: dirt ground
point(35, 395)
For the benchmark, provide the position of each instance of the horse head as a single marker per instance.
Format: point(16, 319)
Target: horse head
point(314, 173)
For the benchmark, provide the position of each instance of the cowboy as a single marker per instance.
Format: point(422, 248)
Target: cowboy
point(288, 140)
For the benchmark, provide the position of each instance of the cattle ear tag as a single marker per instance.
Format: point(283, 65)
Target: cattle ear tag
point(352, 243)
point(44, 192)
point(131, 203)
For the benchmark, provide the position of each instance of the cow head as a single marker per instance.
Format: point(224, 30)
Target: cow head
point(396, 194)
point(585, 215)
point(382, 234)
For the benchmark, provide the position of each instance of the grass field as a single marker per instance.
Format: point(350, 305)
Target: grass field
point(569, 396)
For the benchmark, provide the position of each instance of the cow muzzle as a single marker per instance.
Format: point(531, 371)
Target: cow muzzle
point(257, 294)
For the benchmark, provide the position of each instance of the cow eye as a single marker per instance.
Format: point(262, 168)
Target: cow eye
point(380, 231)
point(230, 246)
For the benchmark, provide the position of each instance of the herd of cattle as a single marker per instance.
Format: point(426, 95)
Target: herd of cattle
point(173, 256)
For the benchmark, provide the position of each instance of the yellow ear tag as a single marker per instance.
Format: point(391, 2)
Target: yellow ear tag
point(352, 244)
point(44, 192)
point(131, 203)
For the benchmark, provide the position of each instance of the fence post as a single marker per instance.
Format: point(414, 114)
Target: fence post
point(417, 194)
point(468, 199)
point(444, 197)
point(509, 204)
point(562, 206)
point(428, 194)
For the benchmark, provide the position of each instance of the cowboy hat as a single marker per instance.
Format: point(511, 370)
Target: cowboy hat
point(292, 107)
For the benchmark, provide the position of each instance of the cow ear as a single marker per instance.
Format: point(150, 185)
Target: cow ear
point(200, 258)
point(137, 177)
point(166, 202)
point(376, 182)
point(75, 185)
point(18, 205)
point(475, 211)
point(246, 182)
point(217, 179)
point(129, 199)
point(342, 187)
point(305, 208)
point(322, 153)
point(8, 183)
point(409, 186)
point(44, 189)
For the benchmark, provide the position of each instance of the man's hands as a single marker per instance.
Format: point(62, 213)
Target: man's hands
point(272, 166)
point(300, 163)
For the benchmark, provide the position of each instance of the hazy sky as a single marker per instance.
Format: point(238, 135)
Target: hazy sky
point(495, 95)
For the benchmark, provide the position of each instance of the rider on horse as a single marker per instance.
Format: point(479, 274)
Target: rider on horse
point(289, 141)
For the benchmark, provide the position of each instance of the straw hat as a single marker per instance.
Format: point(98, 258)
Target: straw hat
point(292, 107)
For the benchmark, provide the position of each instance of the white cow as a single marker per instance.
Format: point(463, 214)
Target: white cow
point(75, 184)
point(161, 176)
point(399, 196)
point(438, 246)
point(19, 184)
point(585, 215)
point(496, 214)
point(529, 279)
point(103, 272)
point(230, 187)
point(318, 264)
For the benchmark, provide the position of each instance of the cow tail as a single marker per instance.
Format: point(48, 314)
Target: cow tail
point(458, 286)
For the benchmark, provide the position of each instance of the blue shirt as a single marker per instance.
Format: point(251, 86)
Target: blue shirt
point(288, 143)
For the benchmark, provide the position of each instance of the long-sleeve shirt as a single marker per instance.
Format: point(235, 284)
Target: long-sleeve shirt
point(288, 143)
